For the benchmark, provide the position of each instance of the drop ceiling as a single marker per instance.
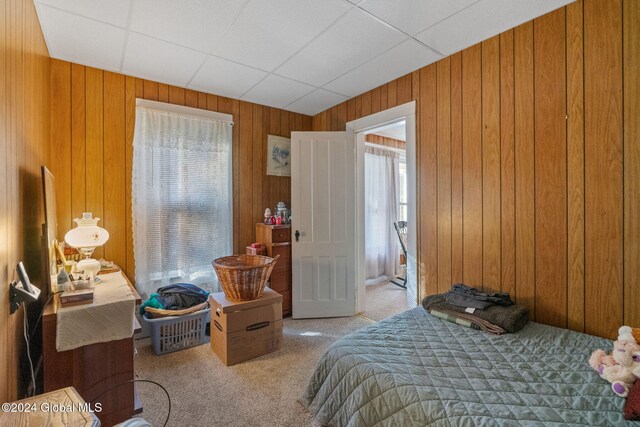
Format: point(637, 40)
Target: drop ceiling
point(394, 131)
point(300, 55)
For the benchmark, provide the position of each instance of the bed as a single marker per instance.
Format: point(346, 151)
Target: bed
point(414, 369)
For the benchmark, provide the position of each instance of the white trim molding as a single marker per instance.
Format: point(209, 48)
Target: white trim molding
point(360, 126)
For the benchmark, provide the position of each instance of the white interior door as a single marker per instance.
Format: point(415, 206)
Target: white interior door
point(323, 227)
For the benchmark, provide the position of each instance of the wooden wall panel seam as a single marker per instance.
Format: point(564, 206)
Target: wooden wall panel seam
point(631, 141)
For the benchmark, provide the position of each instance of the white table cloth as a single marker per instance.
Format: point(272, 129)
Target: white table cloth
point(109, 317)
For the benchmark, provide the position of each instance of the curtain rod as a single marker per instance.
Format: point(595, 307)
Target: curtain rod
point(180, 109)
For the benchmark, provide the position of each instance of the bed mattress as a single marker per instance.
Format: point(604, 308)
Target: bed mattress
point(416, 370)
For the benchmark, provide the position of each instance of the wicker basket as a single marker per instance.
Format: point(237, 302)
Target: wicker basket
point(243, 277)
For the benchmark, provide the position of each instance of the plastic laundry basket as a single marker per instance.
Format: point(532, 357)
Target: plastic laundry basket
point(169, 334)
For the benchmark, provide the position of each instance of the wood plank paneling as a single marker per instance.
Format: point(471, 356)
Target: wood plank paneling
point(404, 89)
point(94, 149)
point(603, 165)
point(491, 158)
point(383, 140)
point(342, 115)
point(427, 188)
point(258, 161)
point(366, 104)
point(191, 98)
point(443, 121)
point(392, 94)
point(151, 91)
point(575, 166)
point(507, 164)
point(130, 124)
point(384, 97)
point(631, 65)
point(536, 204)
point(100, 117)
point(375, 100)
point(163, 93)
point(524, 162)
point(78, 147)
point(25, 144)
point(550, 169)
point(243, 218)
point(114, 157)
point(61, 135)
point(472, 164)
point(456, 168)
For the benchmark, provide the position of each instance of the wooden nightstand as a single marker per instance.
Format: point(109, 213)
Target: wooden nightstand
point(46, 410)
point(277, 240)
point(100, 372)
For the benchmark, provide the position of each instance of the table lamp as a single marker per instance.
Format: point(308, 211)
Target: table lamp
point(86, 237)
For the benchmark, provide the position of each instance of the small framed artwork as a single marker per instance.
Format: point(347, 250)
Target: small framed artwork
point(278, 156)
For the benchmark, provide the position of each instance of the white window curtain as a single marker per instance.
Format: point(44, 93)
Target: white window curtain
point(381, 211)
point(182, 196)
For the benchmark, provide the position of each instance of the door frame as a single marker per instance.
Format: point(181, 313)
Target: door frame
point(406, 112)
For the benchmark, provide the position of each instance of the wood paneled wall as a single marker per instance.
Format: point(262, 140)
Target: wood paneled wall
point(529, 164)
point(386, 141)
point(93, 119)
point(24, 134)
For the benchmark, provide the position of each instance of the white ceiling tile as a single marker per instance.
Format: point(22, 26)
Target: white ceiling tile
point(112, 12)
point(268, 32)
point(84, 41)
point(396, 132)
point(354, 39)
point(398, 61)
point(483, 20)
point(197, 24)
point(276, 91)
point(225, 78)
point(160, 61)
point(413, 16)
point(316, 102)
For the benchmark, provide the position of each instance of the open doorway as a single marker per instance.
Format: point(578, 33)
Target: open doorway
point(385, 220)
point(403, 120)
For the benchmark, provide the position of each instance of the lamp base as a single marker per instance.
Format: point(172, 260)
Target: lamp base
point(89, 265)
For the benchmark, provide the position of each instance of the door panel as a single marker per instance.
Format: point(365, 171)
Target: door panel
point(323, 206)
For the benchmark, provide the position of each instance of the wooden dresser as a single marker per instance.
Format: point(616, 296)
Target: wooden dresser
point(277, 240)
point(100, 372)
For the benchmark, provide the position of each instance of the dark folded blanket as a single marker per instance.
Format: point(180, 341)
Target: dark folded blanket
point(465, 296)
point(511, 318)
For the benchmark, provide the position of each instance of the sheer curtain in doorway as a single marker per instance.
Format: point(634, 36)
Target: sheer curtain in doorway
point(381, 211)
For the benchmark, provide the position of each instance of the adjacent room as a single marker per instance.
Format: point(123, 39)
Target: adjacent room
point(320, 213)
point(385, 218)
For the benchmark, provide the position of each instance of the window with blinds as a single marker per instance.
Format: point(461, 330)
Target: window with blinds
point(181, 195)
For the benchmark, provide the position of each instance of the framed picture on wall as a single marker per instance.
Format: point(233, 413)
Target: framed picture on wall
point(278, 156)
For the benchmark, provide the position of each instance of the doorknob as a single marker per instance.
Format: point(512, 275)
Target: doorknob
point(297, 235)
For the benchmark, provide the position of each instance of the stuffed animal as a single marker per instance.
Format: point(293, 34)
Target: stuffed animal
point(629, 334)
point(622, 367)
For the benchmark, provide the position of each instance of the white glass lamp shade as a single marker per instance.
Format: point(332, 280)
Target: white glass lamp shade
point(87, 235)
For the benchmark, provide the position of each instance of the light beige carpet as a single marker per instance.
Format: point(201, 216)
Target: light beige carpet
point(384, 300)
point(259, 392)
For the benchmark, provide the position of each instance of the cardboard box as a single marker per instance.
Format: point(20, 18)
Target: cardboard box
point(244, 330)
